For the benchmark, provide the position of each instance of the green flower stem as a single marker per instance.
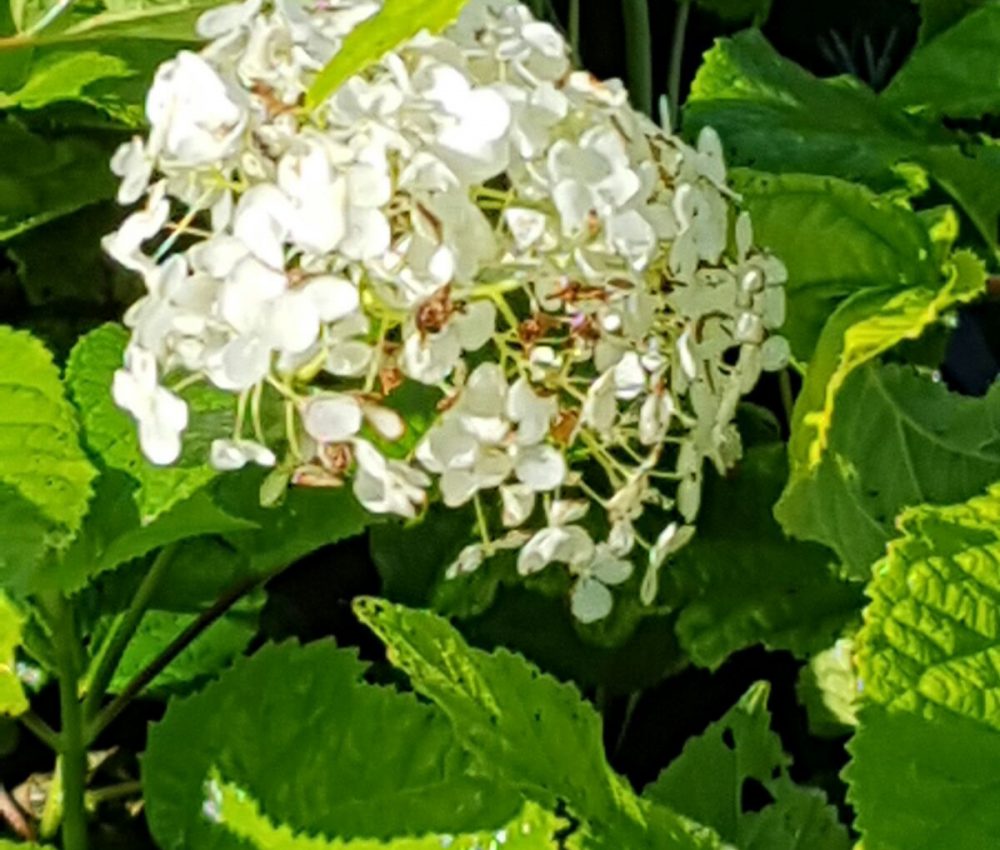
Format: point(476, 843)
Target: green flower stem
point(123, 631)
point(573, 26)
point(72, 742)
point(677, 60)
point(639, 49)
point(787, 397)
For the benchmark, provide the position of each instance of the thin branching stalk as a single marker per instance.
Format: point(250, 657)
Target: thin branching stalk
point(639, 50)
point(189, 635)
point(573, 27)
point(40, 729)
point(677, 61)
point(123, 631)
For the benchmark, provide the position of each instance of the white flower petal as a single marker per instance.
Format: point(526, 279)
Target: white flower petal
point(332, 417)
point(542, 468)
point(590, 601)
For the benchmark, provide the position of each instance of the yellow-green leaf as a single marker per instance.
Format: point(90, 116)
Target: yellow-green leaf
point(40, 452)
point(865, 326)
point(12, 698)
point(924, 768)
point(398, 22)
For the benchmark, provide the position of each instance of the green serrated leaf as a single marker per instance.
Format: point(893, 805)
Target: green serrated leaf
point(836, 238)
point(533, 829)
point(898, 439)
point(955, 74)
point(923, 773)
point(865, 326)
point(524, 725)
point(63, 76)
point(40, 453)
point(42, 179)
point(12, 698)
point(111, 433)
point(396, 23)
point(113, 534)
point(353, 760)
point(741, 581)
point(775, 116)
point(708, 780)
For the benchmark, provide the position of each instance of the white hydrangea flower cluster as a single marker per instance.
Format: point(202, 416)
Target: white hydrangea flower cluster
point(470, 214)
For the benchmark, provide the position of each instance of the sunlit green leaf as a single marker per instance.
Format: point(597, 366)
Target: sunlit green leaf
point(898, 438)
point(397, 22)
point(524, 725)
point(836, 238)
point(923, 773)
point(775, 116)
point(12, 698)
point(865, 326)
point(354, 760)
point(233, 808)
point(40, 452)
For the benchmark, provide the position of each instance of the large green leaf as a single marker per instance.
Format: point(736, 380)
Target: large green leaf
point(111, 433)
point(532, 829)
point(12, 698)
point(741, 581)
point(737, 754)
point(525, 725)
point(899, 438)
point(775, 116)
point(40, 453)
point(397, 22)
point(924, 769)
point(865, 326)
point(956, 74)
point(319, 750)
point(836, 238)
point(42, 179)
